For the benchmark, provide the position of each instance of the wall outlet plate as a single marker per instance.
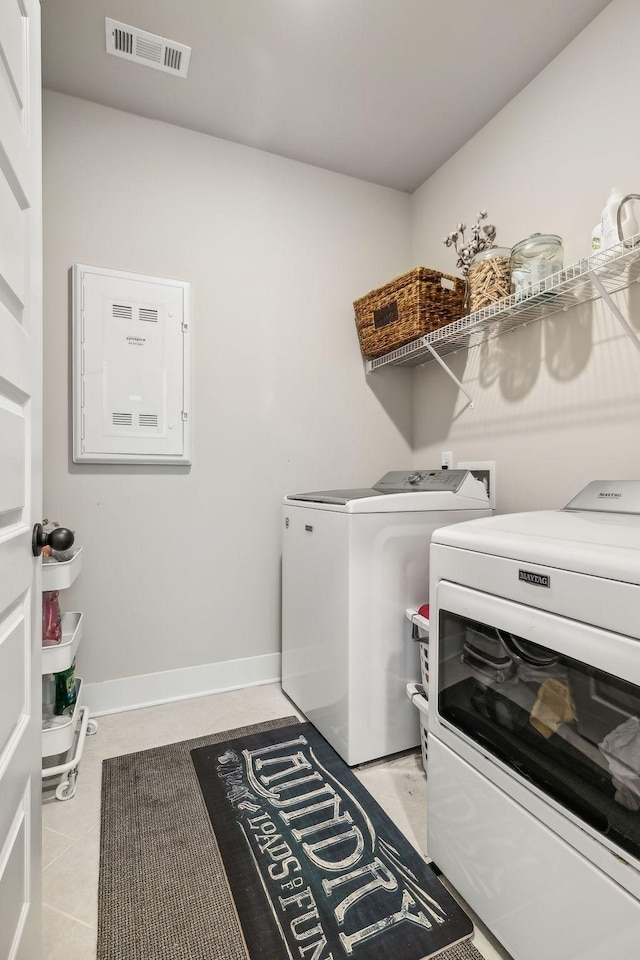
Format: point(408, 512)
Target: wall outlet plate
point(484, 470)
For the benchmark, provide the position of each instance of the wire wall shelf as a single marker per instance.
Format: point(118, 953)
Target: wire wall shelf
point(601, 275)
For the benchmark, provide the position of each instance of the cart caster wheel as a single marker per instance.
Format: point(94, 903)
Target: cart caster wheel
point(65, 790)
point(92, 728)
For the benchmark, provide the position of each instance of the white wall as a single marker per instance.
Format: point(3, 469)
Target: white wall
point(182, 566)
point(558, 403)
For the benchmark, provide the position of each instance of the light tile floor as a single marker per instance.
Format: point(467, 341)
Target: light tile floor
point(71, 828)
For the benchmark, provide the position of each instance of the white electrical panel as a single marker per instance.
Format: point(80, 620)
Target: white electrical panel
point(131, 368)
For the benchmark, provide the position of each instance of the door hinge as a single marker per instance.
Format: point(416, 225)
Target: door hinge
point(185, 327)
point(185, 415)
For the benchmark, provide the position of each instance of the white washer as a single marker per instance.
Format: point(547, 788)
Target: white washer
point(352, 562)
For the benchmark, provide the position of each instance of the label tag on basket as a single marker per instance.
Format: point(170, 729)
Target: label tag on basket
point(447, 284)
point(385, 315)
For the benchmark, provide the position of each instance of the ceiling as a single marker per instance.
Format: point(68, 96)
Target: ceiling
point(382, 90)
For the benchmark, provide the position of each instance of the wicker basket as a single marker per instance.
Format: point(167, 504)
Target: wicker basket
point(407, 308)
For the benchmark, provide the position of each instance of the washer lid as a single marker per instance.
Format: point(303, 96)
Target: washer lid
point(341, 497)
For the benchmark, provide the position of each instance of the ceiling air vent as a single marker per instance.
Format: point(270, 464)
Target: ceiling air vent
point(146, 48)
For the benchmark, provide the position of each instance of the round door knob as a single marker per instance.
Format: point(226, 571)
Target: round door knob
point(60, 538)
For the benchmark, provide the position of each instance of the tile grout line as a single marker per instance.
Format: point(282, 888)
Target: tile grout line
point(73, 841)
point(63, 853)
point(69, 916)
point(58, 832)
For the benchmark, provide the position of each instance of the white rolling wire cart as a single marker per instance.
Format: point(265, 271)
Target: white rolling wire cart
point(64, 736)
point(418, 693)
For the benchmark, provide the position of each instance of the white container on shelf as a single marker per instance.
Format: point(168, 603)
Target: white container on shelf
point(60, 574)
point(59, 656)
point(58, 733)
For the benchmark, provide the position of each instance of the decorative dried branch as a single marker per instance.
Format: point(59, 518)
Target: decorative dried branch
point(482, 238)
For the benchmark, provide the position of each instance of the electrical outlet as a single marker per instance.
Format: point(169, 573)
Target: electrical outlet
point(447, 459)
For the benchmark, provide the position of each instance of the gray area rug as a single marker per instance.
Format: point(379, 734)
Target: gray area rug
point(162, 892)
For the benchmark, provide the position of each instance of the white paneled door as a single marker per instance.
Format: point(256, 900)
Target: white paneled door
point(20, 478)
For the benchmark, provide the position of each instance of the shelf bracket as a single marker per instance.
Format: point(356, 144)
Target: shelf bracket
point(615, 309)
point(449, 373)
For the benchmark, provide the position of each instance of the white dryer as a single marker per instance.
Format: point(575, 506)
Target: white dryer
point(352, 562)
point(534, 723)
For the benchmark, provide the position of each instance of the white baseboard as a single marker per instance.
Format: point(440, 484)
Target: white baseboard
point(131, 693)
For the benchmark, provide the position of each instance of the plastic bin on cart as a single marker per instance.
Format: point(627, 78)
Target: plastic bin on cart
point(418, 693)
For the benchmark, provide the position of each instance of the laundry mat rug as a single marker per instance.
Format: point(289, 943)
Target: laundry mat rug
point(260, 843)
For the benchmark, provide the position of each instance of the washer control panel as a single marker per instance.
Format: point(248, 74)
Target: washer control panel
point(398, 481)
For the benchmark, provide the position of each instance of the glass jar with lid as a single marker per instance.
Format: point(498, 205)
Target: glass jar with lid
point(533, 260)
point(489, 277)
